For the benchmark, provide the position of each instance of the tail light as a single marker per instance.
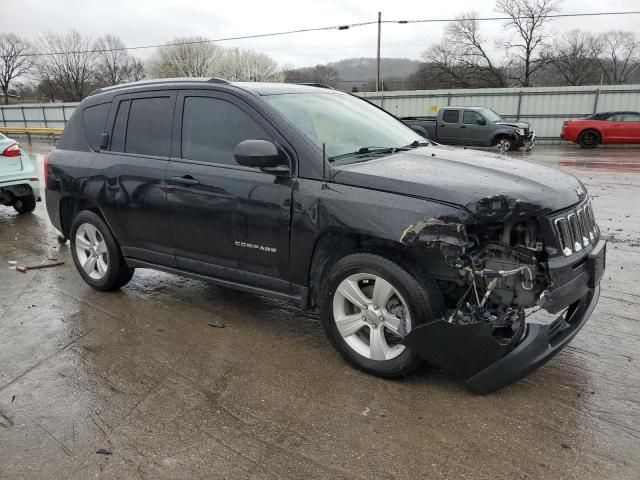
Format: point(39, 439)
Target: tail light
point(565, 123)
point(46, 168)
point(12, 151)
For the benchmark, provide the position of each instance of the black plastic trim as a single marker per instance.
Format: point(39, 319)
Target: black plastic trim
point(298, 293)
point(540, 344)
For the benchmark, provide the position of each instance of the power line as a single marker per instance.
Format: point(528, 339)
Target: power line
point(319, 29)
point(207, 40)
point(488, 19)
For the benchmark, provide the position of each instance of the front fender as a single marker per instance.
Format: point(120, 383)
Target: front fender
point(346, 210)
point(502, 132)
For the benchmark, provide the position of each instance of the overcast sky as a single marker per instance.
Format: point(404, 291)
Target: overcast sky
point(144, 22)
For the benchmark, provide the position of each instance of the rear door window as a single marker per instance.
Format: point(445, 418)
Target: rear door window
point(120, 127)
point(451, 116)
point(149, 127)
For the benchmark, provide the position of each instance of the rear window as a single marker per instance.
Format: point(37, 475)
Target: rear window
point(95, 119)
point(149, 127)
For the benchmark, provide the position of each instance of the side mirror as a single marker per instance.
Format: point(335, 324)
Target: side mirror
point(261, 154)
point(481, 121)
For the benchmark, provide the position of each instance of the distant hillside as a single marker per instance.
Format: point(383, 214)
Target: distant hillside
point(364, 69)
point(355, 72)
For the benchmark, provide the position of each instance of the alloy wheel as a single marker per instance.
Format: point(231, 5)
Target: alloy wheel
point(91, 249)
point(371, 316)
point(503, 145)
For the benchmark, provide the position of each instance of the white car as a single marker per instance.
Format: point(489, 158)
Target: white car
point(19, 181)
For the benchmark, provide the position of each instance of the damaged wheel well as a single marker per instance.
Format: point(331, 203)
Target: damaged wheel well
point(332, 246)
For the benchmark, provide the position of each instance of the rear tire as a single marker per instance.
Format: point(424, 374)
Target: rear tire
point(96, 254)
point(24, 205)
point(375, 344)
point(589, 139)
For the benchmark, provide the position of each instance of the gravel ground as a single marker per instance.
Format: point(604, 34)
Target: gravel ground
point(140, 374)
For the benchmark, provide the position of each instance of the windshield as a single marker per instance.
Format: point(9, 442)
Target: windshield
point(491, 116)
point(345, 124)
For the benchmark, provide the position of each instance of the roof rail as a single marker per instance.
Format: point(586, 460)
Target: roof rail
point(312, 84)
point(160, 81)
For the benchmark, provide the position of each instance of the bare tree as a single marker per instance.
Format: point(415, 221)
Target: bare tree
point(135, 70)
point(15, 61)
point(114, 64)
point(324, 74)
point(619, 57)
point(250, 66)
point(462, 58)
point(575, 57)
point(528, 20)
point(194, 57)
point(67, 68)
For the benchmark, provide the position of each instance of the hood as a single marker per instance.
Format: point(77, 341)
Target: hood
point(514, 124)
point(486, 184)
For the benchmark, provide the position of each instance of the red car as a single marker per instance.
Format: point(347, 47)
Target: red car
point(610, 127)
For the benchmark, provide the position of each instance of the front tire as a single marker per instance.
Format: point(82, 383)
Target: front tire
point(368, 303)
point(96, 253)
point(589, 139)
point(24, 205)
point(504, 144)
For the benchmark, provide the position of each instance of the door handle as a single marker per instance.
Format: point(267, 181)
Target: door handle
point(186, 180)
point(463, 126)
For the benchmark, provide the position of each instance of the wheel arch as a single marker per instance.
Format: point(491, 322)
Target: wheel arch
point(333, 245)
point(586, 129)
point(502, 134)
point(71, 206)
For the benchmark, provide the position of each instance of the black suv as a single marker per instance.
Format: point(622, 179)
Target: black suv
point(409, 249)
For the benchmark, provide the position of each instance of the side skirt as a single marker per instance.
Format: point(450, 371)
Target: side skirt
point(298, 294)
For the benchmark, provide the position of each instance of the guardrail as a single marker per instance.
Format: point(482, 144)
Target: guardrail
point(28, 131)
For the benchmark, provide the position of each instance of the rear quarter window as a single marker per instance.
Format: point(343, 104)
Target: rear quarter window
point(73, 137)
point(95, 119)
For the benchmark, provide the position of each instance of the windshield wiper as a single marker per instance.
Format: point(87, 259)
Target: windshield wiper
point(418, 143)
point(368, 151)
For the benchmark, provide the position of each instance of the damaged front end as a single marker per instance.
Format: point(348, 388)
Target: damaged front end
point(497, 266)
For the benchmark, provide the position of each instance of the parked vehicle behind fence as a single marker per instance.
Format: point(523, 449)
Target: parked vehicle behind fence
point(19, 181)
point(473, 126)
point(605, 128)
point(410, 250)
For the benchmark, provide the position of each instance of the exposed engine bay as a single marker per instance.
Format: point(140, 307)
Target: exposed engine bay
point(496, 271)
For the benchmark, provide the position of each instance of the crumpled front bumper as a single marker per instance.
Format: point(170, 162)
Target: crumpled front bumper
point(539, 345)
point(472, 354)
point(527, 142)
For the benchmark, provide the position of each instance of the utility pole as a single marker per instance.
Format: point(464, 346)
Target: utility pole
point(378, 56)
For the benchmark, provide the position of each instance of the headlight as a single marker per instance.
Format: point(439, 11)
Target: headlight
point(520, 131)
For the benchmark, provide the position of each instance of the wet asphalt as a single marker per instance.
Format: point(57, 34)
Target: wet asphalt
point(140, 376)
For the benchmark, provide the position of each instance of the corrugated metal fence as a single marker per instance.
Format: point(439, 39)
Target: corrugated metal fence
point(543, 107)
point(36, 115)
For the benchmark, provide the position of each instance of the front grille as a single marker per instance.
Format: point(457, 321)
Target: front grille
point(576, 229)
